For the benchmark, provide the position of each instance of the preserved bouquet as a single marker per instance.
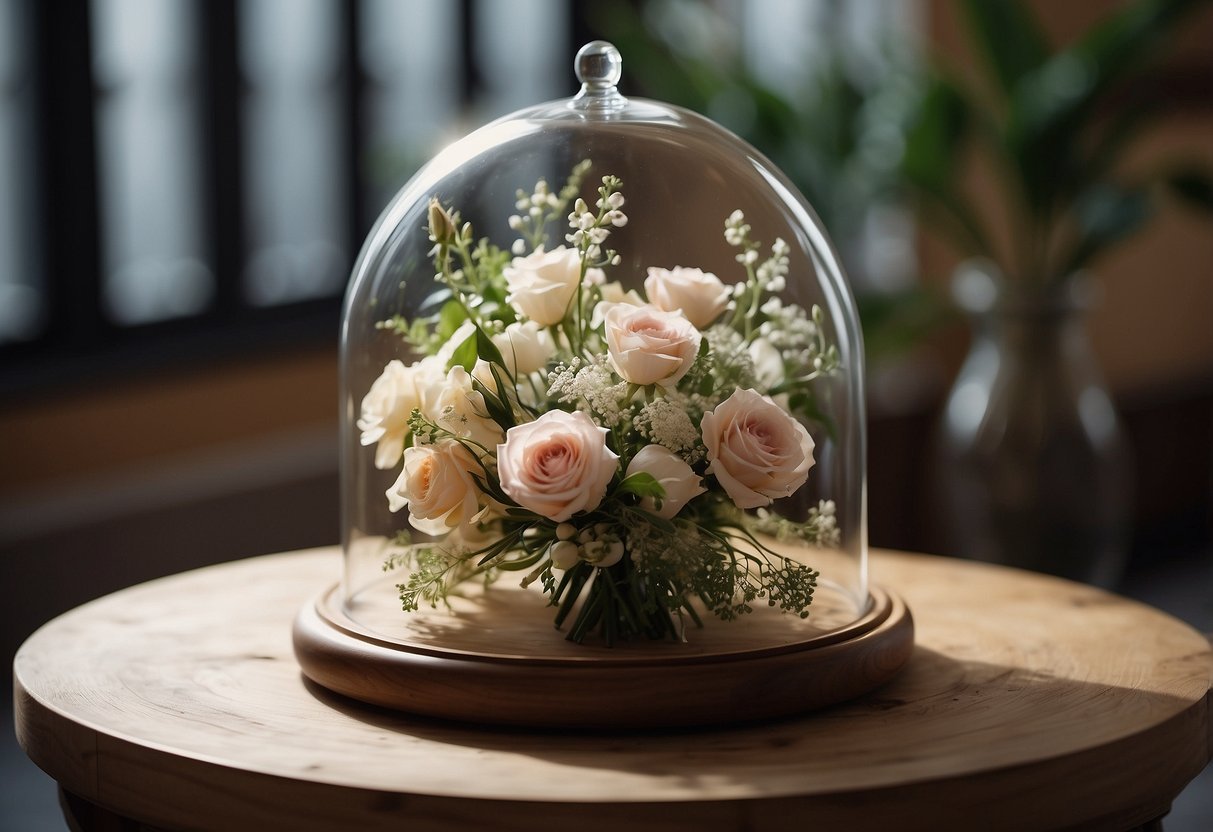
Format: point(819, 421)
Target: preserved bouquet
point(625, 450)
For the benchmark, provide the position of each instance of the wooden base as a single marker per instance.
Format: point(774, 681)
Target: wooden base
point(730, 673)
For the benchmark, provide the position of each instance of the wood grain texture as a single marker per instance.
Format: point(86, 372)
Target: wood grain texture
point(1029, 703)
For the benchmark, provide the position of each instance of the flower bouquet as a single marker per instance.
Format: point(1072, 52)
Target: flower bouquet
point(628, 451)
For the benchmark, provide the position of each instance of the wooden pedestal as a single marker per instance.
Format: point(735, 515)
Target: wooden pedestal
point(505, 665)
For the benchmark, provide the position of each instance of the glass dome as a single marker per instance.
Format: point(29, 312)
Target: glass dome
point(586, 290)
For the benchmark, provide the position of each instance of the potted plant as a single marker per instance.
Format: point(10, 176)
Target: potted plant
point(1034, 468)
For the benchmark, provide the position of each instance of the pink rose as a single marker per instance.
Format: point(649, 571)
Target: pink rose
point(436, 484)
point(648, 346)
point(756, 450)
point(557, 465)
point(699, 295)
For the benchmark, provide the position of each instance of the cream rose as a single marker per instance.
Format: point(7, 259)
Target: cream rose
point(699, 295)
point(385, 411)
point(648, 346)
point(557, 465)
point(454, 404)
point(613, 293)
point(526, 347)
point(681, 484)
point(768, 363)
point(542, 284)
point(756, 450)
point(436, 484)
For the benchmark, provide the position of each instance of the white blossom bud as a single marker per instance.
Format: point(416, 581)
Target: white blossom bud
point(564, 554)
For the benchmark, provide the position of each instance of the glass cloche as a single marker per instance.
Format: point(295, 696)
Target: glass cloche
point(602, 349)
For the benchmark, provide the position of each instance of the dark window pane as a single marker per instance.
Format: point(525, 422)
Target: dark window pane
point(21, 300)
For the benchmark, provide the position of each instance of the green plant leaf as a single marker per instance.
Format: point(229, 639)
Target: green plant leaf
point(1193, 186)
point(1008, 37)
point(1052, 105)
point(464, 355)
point(487, 350)
point(641, 484)
point(1105, 214)
point(894, 322)
point(934, 140)
point(450, 317)
point(935, 135)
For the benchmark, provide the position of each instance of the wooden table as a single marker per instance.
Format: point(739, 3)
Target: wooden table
point(1029, 703)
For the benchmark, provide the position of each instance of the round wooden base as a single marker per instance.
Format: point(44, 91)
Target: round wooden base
point(730, 673)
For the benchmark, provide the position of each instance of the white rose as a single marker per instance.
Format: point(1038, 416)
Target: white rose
point(436, 484)
point(542, 284)
point(756, 451)
point(385, 411)
point(681, 484)
point(648, 346)
point(768, 363)
point(452, 403)
point(557, 465)
point(526, 347)
point(700, 295)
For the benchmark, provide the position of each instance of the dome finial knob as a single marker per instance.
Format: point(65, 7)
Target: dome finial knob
point(598, 65)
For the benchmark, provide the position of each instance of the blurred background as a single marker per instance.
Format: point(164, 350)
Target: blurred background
point(184, 186)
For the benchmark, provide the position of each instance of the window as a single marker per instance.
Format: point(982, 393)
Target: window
point(194, 177)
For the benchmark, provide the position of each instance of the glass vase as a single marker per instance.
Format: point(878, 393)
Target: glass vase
point(1034, 468)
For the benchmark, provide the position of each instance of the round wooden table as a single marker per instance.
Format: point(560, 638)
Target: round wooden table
point(1029, 703)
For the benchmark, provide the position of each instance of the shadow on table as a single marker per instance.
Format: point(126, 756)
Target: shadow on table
point(960, 739)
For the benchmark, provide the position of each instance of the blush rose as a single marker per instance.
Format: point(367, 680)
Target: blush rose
point(699, 295)
point(757, 452)
point(557, 465)
point(437, 486)
point(646, 345)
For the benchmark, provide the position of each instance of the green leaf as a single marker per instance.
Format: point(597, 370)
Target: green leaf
point(487, 350)
point(641, 484)
point(1105, 215)
point(450, 317)
point(1008, 38)
point(894, 322)
point(1193, 186)
point(1052, 105)
point(935, 135)
point(464, 355)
